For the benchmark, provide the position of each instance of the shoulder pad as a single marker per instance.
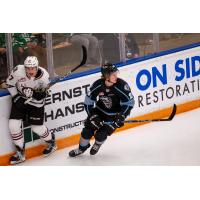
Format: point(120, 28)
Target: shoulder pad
point(19, 70)
point(122, 84)
point(42, 73)
point(97, 82)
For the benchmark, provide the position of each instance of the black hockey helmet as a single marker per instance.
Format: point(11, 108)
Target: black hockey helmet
point(107, 69)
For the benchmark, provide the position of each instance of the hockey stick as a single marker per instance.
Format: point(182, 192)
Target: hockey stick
point(150, 120)
point(60, 78)
point(156, 120)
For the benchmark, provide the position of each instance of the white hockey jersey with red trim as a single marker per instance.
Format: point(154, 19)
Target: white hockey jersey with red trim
point(18, 82)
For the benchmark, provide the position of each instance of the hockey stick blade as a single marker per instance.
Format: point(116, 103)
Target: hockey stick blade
point(173, 113)
point(84, 59)
point(156, 120)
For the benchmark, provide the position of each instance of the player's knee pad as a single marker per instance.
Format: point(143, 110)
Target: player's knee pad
point(42, 131)
point(39, 129)
point(100, 136)
point(87, 133)
point(103, 132)
point(15, 126)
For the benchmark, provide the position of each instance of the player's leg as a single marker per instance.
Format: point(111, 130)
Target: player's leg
point(92, 123)
point(15, 126)
point(84, 142)
point(49, 138)
point(100, 137)
point(36, 119)
point(110, 125)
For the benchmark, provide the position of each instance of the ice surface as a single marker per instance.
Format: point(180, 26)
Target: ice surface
point(159, 143)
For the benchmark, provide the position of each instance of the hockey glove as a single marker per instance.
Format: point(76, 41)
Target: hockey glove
point(119, 120)
point(95, 121)
point(39, 94)
point(18, 101)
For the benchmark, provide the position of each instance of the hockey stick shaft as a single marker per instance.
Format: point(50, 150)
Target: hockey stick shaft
point(150, 120)
point(156, 120)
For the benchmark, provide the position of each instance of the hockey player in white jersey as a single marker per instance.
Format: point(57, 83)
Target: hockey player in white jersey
point(28, 82)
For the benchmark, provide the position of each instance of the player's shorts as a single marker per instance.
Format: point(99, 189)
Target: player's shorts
point(34, 115)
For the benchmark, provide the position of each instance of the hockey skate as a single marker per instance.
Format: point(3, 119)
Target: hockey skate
point(95, 148)
point(17, 158)
point(80, 150)
point(50, 148)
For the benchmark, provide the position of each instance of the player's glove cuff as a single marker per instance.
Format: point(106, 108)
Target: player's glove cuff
point(119, 120)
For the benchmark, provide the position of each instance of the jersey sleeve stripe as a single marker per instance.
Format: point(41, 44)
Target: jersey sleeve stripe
point(94, 89)
point(131, 103)
point(88, 101)
point(122, 93)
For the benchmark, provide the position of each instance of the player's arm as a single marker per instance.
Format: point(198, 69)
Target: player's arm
point(91, 97)
point(126, 99)
point(11, 82)
point(127, 103)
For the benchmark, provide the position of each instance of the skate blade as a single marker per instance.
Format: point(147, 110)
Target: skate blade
point(75, 156)
point(16, 162)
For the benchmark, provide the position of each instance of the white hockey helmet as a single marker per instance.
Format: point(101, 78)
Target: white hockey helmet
point(31, 61)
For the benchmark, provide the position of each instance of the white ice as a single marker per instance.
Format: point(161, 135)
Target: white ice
point(159, 143)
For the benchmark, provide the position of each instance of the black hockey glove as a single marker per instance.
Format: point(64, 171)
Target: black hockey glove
point(119, 120)
point(39, 94)
point(96, 121)
point(18, 101)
